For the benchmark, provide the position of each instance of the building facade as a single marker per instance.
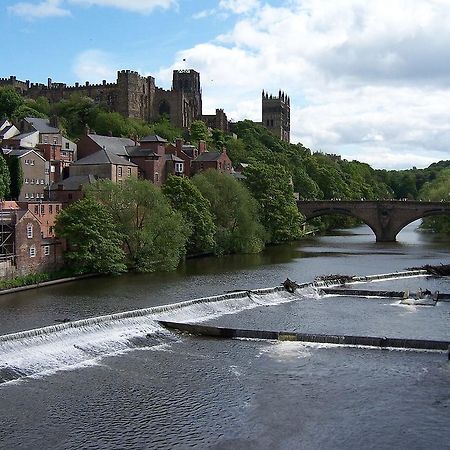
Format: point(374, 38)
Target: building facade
point(276, 115)
point(132, 95)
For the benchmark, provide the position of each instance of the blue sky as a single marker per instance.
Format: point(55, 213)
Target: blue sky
point(367, 80)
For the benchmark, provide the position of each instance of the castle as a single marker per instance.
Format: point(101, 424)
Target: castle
point(133, 95)
point(276, 114)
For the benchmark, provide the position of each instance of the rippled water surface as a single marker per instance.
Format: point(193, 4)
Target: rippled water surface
point(126, 382)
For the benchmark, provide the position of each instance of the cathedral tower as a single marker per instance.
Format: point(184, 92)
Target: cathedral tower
point(276, 114)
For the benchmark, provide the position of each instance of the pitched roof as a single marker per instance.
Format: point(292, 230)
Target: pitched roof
point(73, 183)
point(103, 157)
point(21, 152)
point(139, 151)
point(208, 156)
point(113, 144)
point(18, 137)
point(170, 157)
point(41, 125)
point(153, 138)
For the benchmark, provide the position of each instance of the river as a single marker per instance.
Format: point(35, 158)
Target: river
point(129, 383)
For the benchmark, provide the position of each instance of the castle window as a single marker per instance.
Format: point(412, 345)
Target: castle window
point(164, 108)
point(46, 250)
point(32, 251)
point(30, 231)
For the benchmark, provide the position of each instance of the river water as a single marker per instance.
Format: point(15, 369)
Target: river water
point(125, 382)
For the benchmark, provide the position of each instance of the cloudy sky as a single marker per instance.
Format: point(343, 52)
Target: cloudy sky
point(369, 80)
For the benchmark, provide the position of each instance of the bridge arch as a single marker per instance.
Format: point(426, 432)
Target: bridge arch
point(386, 218)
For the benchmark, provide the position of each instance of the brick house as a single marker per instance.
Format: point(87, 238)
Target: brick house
point(91, 143)
point(68, 190)
point(104, 164)
point(211, 160)
point(33, 168)
point(29, 245)
point(186, 152)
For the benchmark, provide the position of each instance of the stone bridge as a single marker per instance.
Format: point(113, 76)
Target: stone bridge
point(386, 218)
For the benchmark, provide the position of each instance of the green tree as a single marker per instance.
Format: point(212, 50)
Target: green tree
point(26, 111)
point(235, 212)
point(185, 197)
point(272, 188)
point(154, 235)
point(16, 176)
point(92, 237)
point(10, 100)
point(437, 190)
point(164, 128)
point(5, 180)
point(198, 131)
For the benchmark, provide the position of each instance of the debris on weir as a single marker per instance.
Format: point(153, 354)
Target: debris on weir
point(440, 271)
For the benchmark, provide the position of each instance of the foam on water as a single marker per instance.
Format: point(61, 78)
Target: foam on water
point(74, 344)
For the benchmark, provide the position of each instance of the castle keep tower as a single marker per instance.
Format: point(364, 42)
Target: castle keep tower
point(276, 115)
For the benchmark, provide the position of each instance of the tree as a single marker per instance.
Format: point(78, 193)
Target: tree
point(154, 235)
point(26, 111)
point(198, 131)
point(235, 212)
point(272, 188)
point(164, 128)
point(10, 100)
point(5, 179)
point(94, 242)
point(186, 198)
point(16, 176)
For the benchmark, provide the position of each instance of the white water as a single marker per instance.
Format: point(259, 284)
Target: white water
point(71, 345)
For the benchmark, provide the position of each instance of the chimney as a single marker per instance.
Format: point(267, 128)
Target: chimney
point(179, 144)
point(54, 122)
point(201, 146)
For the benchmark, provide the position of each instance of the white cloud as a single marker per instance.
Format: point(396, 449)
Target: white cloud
point(239, 6)
point(32, 11)
point(365, 78)
point(94, 66)
point(139, 6)
point(59, 8)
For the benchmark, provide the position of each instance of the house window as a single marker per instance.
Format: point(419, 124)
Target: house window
point(36, 209)
point(42, 195)
point(46, 250)
point(67, 146)
point(32, 162)
point(55, 140)
point(27, 180)
point(32, 181)
point(42, 181)
point(45, 140)
point(50, 209)
point(46, 171)
point(27, 162)
point(119, 171)
point(42, 209)
point(178, 167)
point(32, 251)
point(129, 171)
point(26, 195)
point(29, 230)
point(32, 195)
point(57, 208)
point(156, 176)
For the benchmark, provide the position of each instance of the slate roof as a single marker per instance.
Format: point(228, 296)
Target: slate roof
point(73, 183)
point(113, 144)
point(139, 151)
point(189, 150)
point(153, 138)
point(18, 137)
point(170, 157)
point(41, 125)
point(103, 157)
point(20, 152)
point(208, 156)
point(5, 130)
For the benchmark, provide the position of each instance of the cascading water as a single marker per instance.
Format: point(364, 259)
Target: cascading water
point(65, 346)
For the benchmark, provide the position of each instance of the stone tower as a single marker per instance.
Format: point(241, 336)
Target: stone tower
point(276, 114)
point(187, 82)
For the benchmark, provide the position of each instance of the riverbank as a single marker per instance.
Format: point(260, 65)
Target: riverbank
point(28, 282)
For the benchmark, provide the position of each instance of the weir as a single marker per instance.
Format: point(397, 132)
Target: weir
point(74, 344)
